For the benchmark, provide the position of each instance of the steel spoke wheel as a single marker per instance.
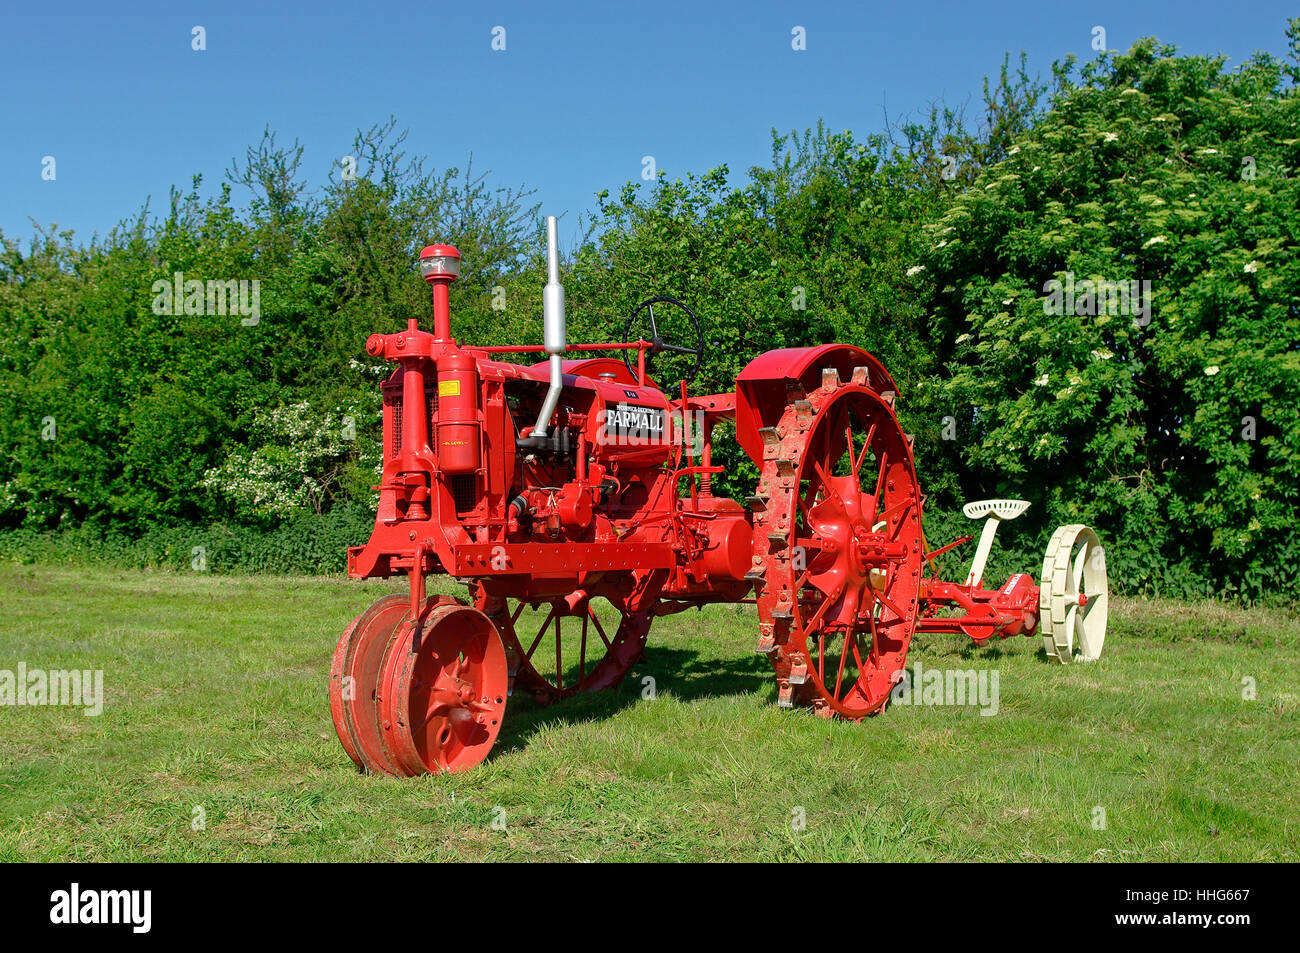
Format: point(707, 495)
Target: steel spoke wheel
point(841, 523)
point(561, 647)
point(1073, 595)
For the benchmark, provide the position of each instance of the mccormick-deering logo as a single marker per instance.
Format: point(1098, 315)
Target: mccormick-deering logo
point(74, 906)
point(633, 423)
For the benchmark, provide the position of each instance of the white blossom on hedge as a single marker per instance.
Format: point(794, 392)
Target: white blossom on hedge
point(294, 461)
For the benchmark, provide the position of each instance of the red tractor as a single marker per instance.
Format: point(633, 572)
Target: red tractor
point(574, 499)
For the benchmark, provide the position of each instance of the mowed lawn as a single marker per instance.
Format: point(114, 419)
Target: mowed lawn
point(216, 709)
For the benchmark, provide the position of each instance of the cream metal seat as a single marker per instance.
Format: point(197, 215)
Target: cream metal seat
point(1002, 509)
point(996, 511)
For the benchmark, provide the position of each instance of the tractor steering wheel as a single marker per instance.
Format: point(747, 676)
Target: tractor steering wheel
point(657, 344)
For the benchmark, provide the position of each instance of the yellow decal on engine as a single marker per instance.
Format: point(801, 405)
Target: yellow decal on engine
point(449, 388)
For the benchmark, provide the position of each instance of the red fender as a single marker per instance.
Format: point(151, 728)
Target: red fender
point(591, 367)
point(761, 388)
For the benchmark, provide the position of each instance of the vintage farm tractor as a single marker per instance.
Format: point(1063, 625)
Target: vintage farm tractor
point(574, 499)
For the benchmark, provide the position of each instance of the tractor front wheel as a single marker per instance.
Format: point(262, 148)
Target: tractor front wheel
point(420, 696)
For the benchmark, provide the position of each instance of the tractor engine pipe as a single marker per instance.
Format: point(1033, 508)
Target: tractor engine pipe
point(553, 327)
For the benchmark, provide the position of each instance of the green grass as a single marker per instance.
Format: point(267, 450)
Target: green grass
point(216, 699)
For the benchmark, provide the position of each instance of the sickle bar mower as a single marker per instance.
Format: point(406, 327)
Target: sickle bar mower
point(574, 499)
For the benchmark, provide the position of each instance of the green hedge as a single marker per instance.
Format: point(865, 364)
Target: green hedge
point(307, 544)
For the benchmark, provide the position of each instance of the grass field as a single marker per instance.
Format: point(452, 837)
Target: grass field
point(215, 700)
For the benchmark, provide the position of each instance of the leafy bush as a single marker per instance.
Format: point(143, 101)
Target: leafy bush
point(1169, 426)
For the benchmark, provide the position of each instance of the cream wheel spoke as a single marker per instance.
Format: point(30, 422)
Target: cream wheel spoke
point(1076, 578)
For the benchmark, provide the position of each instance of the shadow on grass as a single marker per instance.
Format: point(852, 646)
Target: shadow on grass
point(680, 672)
point(989, 651)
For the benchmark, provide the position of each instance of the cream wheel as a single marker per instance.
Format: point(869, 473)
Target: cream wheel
point(1072, 595)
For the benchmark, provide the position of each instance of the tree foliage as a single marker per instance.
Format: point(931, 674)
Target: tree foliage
point(1175, 429)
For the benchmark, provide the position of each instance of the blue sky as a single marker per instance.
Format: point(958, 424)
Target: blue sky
point(581, 93)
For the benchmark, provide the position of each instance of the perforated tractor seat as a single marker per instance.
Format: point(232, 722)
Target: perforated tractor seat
point(1002, 509)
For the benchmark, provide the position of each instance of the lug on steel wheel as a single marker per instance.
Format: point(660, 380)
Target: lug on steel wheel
point(838, 530)
point(410, 700)
point(558, 648)
point(1073, 597)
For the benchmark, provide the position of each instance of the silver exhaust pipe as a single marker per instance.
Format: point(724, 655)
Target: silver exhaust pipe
point(553, 322)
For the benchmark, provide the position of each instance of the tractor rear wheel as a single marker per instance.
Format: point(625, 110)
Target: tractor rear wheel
point(838, 534)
